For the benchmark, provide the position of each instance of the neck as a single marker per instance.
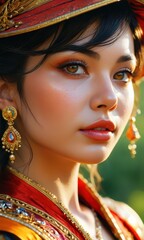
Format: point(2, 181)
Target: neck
point(58, 175)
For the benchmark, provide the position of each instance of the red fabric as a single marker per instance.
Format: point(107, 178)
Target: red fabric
point(16, 188)
point(19, 189)
point(128, 226)
point(94, 202)
point(46, 13)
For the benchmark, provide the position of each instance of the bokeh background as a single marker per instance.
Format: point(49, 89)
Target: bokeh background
point(123, 177)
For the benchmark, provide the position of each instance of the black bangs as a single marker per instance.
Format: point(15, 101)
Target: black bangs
point(107, 24)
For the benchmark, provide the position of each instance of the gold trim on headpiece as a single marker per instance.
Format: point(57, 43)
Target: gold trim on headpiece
point(11, 11)
point(12, 8)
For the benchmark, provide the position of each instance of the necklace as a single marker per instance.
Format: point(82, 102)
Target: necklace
point(98, 228)
point(66, 212)
point(116, 230)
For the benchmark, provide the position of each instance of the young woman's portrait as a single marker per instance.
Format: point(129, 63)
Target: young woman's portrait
point(67, 76)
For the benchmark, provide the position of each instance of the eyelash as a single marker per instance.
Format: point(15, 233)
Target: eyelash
point(83, 65)
point(129, 72)
point(73, 63)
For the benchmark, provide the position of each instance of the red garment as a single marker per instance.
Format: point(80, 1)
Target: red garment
point(25, 204)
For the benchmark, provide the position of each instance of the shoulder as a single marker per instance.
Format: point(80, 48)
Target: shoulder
point(127, 215)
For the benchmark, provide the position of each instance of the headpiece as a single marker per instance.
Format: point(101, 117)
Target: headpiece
point(21, 16)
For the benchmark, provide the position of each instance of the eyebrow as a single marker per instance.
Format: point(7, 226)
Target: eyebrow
point(91, 53)
point(83, 50)
point(96, 55)
point(125, 58)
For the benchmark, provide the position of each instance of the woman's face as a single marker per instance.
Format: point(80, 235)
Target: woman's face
point(79, 103)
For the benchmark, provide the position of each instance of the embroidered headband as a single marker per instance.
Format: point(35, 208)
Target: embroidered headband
point(21, 16)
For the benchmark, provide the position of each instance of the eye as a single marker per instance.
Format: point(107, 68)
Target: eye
point(124, 75)
point(74, 67)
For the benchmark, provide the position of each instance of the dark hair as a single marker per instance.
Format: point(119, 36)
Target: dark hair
point(109, 21)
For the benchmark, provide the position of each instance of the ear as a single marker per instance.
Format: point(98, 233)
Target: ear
point(6, 95)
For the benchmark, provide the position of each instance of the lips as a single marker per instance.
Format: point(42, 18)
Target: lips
point(102, 124)
point(101, 130)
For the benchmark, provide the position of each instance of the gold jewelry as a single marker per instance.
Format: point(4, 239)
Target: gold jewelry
point(11, 139)
point(98, 227)
point(132, 135)
point(117, 231)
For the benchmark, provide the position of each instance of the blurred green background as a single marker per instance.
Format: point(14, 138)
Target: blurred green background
point(123, 177)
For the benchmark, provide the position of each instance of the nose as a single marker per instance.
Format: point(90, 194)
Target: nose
point(105, 95)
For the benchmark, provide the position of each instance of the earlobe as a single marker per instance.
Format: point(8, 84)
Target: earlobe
point(6, 95)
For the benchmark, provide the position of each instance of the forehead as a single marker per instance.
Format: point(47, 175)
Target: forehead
point(119, 50)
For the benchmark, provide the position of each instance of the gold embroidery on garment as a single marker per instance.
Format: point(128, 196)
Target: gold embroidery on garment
point(28, 217)
point(116, 230)
point(37, 230)
point(107, 214)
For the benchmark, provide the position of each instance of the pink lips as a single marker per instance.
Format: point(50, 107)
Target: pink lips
point(99, 131)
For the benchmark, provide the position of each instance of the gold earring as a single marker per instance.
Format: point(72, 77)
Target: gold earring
point(132, 132)
point(11, 139)
point(132, 135)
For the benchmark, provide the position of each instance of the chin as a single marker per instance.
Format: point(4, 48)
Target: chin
point(95, 153)
point(93, 158)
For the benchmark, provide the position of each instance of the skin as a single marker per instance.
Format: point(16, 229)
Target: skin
point(64, 99)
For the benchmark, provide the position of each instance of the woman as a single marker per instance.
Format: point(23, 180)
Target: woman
point(66, 93)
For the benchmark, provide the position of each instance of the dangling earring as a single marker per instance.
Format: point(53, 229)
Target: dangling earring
point(132, 135)
point(11, 139)
point(132, 132)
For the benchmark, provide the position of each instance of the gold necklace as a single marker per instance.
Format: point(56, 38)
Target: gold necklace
point(68, 214)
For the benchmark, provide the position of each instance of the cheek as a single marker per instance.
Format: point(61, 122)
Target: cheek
point(50, 101)
point(127, 103)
